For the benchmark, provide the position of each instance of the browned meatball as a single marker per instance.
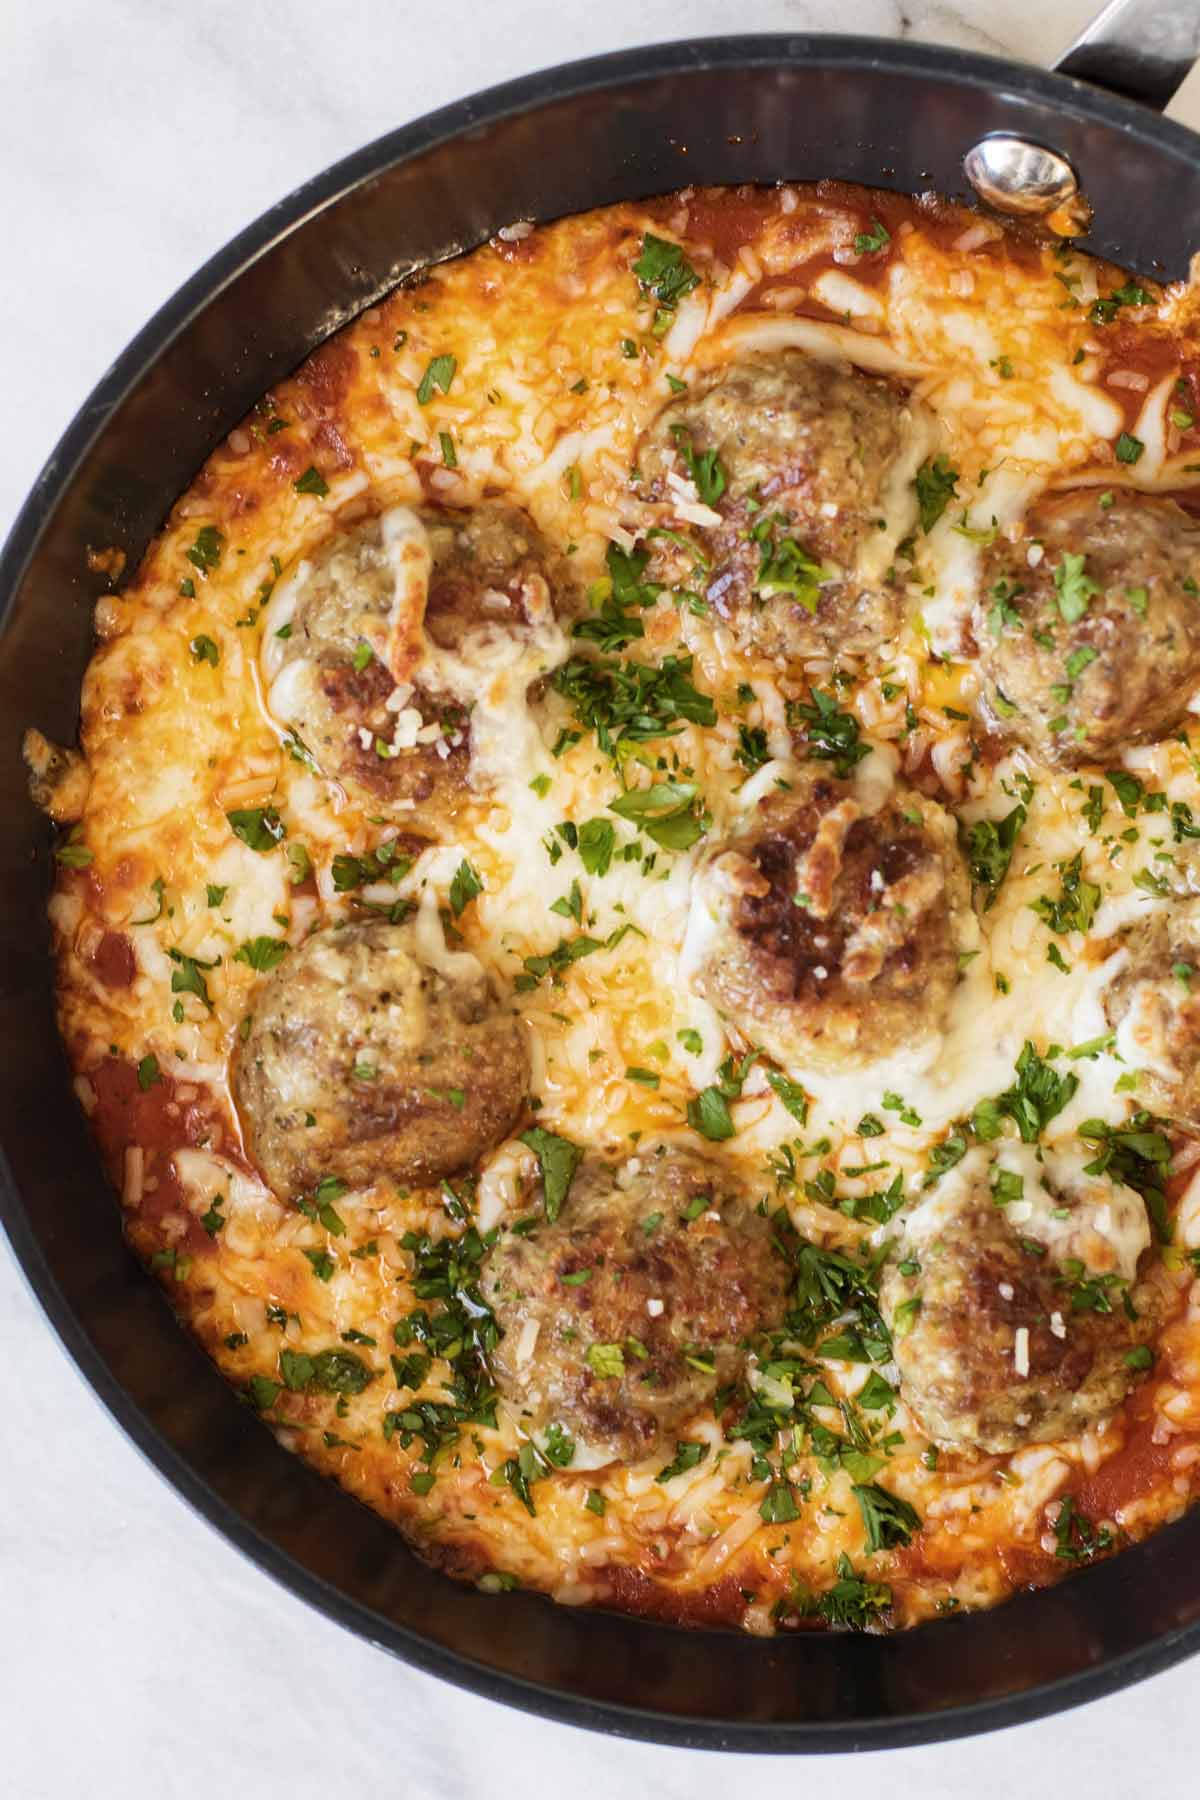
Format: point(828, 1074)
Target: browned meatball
point(364, 1061)
point(1153, 1004)
point(829, 934)
point(812, 455)
point(1098, 644)
point(623, 1317)
point(998, 1344)
point(352, 674)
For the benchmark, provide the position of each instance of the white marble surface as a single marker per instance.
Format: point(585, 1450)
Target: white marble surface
point(139, 1655)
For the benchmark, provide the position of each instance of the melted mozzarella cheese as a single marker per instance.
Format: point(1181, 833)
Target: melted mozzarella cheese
point(833, 343)
point(1102, 1224)
point(547, 408)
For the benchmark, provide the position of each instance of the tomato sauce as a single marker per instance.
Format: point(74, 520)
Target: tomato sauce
point(145, 1111)
point(1138, 1468)
point(114, 961)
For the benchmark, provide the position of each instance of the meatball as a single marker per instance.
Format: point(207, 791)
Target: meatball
point(1002, 1337)
point(375, 649)
point(625, 1315)
point(368, 1059)
point(1097, 645)
point(828, 931)
point(1155, 1010)
point(815, 464)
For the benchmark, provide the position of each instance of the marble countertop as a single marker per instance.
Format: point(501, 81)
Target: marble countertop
point(139, 1654)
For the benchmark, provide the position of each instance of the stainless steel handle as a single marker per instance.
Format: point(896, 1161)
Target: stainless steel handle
point(1140, 48)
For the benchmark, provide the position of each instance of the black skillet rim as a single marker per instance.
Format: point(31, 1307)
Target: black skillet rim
point(54, 481)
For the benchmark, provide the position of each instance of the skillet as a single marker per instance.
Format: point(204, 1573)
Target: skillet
point(724, 110)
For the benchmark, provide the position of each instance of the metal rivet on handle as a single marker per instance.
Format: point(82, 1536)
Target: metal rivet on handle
point(1016, 176)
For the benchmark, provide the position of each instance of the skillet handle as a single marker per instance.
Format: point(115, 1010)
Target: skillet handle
point(1142, 49)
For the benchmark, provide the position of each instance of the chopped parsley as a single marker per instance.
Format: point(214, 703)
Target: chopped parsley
point(851, 1602)
point(786, 567)
point(1104, 310)
point(936, 485)
point(570, 904)
point(613, 622)
point(1037, 1096)
point(383, 863)
point(261, 953)
point(458, 1327)
point(188, 976)
point(564, 953)
point(790, 1093)
point(1073, 587)
point(830, 1286)
point(664, 273)
point(668, 812)
point(158, 889)
point(312, 482)
point(465, 886)
point(260, 827)
point(439, 374)
point(205, 553)
point(778, 1504)
point(1128, 789)
point(328, 1372)
point(1076, 905)
point(709, 1112)
point(704, 467)
point(1076, 1538)
point(627, 703)
point(597, 839)
point(606, 1360)
point(889, 1521)
point(203, 649)
point(989, 845)
point(559, 1447)
point(558, 1158)
point(1137, 1153)
point(868, 242)
point(688, 1455)
point(752, 751)
point(832, 735)
point(944, 1157)
point(73, 854)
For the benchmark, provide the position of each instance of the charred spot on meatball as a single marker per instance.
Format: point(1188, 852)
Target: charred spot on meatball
point(623, 1317)
point(353, 635)
point(998, 1345)
point(1153, 1005)
point(804, 472)
point(366, 1061)
point(1095, 642)
point(828, 933)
